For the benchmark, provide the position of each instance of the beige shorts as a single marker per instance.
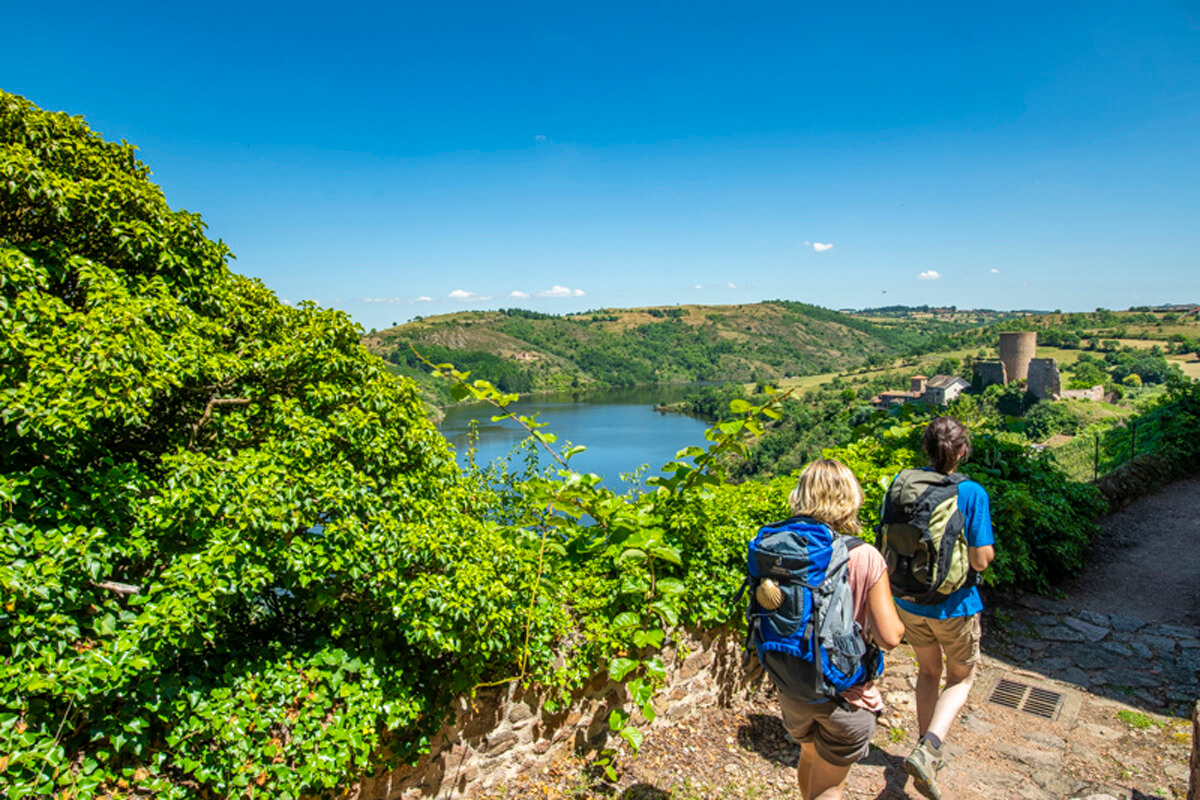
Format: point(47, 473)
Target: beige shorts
point(841, 737)
point(959, 637)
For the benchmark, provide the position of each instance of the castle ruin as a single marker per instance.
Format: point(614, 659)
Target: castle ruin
point(1017, 363)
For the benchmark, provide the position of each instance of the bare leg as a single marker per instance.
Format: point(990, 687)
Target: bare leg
point(808, 754)
point(819, 780)
point(827, 780)
point(929, 681)
point(959, 679)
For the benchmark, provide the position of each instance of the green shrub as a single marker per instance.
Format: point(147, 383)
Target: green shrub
point(228, 538)
point(1048, 418)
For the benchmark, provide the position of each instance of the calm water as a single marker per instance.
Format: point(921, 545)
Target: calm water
point(619, 427)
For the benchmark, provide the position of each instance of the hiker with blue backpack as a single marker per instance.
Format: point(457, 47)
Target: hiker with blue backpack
point(935, 534)
point(819, 612)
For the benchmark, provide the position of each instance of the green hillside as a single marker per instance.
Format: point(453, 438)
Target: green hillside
point(525, 351)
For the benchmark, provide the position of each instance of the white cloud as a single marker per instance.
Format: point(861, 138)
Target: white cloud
point(822, 247)
point(517, 293)
point(468, 297)
point(560, 291)
point(929, 275)
point(697, 286)
point(540, 138)
point(392, 300)
point(423, 299)
point(995, 271)
point(729, 285)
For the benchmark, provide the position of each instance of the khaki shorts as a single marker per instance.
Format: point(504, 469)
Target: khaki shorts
point(959, 637)
point(840, 737)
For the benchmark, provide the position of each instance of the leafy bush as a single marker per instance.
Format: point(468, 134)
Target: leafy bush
point(228, 538)
point(1048, 418)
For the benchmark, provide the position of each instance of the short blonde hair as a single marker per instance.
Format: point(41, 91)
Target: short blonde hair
point(829, 493)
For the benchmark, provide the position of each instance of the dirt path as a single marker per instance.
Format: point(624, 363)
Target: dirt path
point(1118, 659)
point(1148, 560)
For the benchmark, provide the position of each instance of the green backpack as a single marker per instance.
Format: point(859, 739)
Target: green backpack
point(921, 536)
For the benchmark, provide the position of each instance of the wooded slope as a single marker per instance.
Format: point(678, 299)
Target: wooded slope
point(527, 351)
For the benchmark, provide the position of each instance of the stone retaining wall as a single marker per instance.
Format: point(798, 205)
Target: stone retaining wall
point(1135, 478)
point(506, 732)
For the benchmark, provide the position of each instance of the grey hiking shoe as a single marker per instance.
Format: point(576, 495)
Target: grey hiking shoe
point(923, 764)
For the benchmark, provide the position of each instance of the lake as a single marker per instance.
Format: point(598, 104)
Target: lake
point(619, 427)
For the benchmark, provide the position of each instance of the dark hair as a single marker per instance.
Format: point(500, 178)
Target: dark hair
point(944, 440)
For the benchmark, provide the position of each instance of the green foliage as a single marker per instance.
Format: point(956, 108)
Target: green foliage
point(1048, 418)
point(1044, 522)
point(647, 562)
point(1138, 720)
point(228, 538)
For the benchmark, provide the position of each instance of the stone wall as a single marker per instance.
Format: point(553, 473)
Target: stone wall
point(506, 732)
point(1043, 378)
point(1135, 478)
point(1095, 394)
point(991, 372)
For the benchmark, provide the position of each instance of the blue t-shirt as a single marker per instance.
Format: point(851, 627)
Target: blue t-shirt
point(966, 602)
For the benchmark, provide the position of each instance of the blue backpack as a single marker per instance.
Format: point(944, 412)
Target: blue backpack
point(800, 621)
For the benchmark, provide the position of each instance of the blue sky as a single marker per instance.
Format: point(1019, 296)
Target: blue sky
point(412, 159)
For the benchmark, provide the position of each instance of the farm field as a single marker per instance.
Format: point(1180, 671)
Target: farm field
point(1190, 364)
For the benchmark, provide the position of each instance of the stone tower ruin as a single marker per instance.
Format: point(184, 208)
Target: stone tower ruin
point(1017, 363)
point(1017, 349)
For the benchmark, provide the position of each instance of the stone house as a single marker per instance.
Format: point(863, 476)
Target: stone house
point(936, 391)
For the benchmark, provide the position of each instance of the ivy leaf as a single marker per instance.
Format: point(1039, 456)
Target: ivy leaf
point(626, 619)
point(633, 554)
point(666, 613)
point(619, 667)
point(633, 736)
point(671, 586)
point(618, 719)
point(653, 638)
point(667, 553)
point(634, 585)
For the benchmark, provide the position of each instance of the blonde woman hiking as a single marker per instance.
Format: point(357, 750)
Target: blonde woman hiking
point(828, 701)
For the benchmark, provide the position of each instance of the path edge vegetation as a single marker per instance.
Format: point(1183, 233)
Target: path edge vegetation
point(239, 561)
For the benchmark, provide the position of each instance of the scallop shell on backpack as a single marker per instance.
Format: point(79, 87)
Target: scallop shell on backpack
point(769, 595)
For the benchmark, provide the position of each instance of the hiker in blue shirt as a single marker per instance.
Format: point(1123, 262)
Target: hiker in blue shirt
point(947, 636)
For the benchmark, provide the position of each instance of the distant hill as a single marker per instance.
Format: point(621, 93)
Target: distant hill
point(525, 351)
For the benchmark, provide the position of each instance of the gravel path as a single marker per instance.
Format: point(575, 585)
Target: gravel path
point(1148, 559)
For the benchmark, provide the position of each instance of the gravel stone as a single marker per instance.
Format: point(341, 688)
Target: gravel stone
point(1093, 633)
point(1123, 623)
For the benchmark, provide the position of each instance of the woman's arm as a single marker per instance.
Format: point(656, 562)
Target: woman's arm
point(885, 624)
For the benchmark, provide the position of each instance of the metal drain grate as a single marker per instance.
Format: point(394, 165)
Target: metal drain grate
point(1023, 697)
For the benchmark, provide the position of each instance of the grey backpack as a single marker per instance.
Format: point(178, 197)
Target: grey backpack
point(921, 535)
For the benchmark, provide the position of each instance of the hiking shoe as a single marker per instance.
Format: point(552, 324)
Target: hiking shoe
point(923, 764)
